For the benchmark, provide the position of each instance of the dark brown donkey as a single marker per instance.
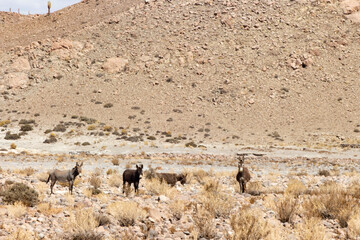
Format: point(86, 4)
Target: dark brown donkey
point(243, 175)
point(64, 176)
point(132, 176)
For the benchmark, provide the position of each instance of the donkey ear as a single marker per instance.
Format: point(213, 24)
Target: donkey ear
point(142, 166)
point(81, 164)
point(77, 164)
point(137, 166)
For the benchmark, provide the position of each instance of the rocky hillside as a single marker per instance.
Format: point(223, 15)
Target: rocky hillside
point(245, 72)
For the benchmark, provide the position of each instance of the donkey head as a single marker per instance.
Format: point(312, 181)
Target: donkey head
point(241, 158)
point(139, 169)
point(181, 178)
point(78, 168)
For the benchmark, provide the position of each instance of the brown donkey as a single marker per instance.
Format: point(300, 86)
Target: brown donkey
point(243, 175)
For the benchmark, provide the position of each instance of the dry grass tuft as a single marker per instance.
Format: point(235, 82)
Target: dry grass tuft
point(286, 207)
point(17, 210)
point(295, 188)
point(333, 203)
point(177, 208)
point(42, 177)
point(127, 213)
point(156, 187)
point(47, 209)
point(115, 180)
point(310, 229)
point(115, 161)
point(247, 224)
point(22, 234)
point(253, 188)
point(354, 225)
point(83, 221)
point(204, 222)
point(95, 181)
point(27, 171)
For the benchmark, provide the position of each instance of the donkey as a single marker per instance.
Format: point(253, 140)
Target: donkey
point(64, 176)
point(172, 178)
point(243, 175)
point(132, 176)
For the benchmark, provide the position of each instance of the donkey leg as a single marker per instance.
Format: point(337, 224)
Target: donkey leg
point(52, 186)
point(124, 185)
point(71, 184)
point(136, 186)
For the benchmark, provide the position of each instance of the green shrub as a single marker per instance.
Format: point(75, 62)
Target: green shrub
point(19, 192)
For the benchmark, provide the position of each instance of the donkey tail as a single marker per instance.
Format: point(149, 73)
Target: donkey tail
point(48, 178)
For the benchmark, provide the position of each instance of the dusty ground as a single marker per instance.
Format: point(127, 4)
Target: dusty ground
point(273, 180)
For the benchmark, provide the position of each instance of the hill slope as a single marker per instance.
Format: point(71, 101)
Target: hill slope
point(244, 72)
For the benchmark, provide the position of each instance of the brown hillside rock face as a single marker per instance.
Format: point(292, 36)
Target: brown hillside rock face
point(14, 80)
point(113, 65)
point(20, 64)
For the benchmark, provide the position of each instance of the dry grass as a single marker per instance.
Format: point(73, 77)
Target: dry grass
point(253, 188)
point(156, 187)
point(310, 229)
point(95, 181)
point(17, 210)
point(26, 171)
point(22, 234)
point(115, 161)
point(354, 225)
point(47, 209)
point(127, 213)
point(82, 221)
point(331, 202)
point(295, 188)
point(247, 224)
point(204, 222)
point(177, 208)
point(286, 207)
point(115, 180)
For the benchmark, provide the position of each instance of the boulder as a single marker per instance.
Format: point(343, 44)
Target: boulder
point(115, 64)
point(20, 64)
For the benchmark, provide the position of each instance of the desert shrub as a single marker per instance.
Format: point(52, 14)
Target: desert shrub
point(10, 136)
point(108, 105)
point(248, 224)
point(333, 205)
point(211, 185)
point(177, 208)
point(286, 207)
point(47, 209)
point(24, 121)
point(91, 127)
point(59, 128)
point(81, 225)
point(115, 161)
point(26, 128)
point(204, 222)
point(22, 234)
point(150, 173)
point(95, 181)
point(295, 188)
point(107, 128)
point(115, 180)
point(218, 204)
point(354, 225)
point(198, 175)
point(17, 210)
point(127, 213)
point(324, 173)
point(310, 229)
point(13, 146)
point(253, 188)
point(19, 192)
point(27, 171)
point(4, 122)
point(51, 139)
point(102, 219)
point(156, 187)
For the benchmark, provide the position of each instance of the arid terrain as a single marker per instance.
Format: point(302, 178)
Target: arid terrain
point(181, 87)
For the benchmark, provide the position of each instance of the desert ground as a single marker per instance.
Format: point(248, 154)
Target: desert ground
point(182, 87)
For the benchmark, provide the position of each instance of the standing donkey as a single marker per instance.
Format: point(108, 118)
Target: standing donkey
point(132, 176)
point(243, 175)
point(64, 176)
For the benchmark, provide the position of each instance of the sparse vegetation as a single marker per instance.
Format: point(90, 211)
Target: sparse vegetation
point(19, 192)
point(127, 213)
